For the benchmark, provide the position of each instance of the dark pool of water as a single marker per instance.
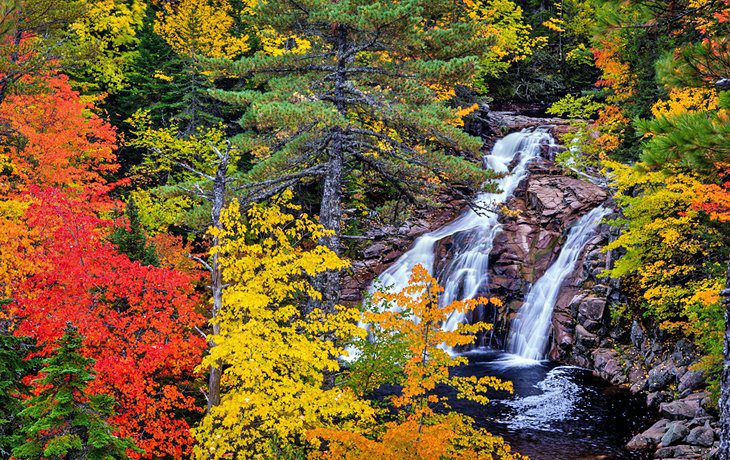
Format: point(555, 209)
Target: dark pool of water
point(556, 412)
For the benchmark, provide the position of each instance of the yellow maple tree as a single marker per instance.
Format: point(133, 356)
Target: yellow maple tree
point(273, 353)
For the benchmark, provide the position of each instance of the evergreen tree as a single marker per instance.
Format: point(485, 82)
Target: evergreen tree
point(14, 365)
point(361, 88)
point(133, 242)
point(63, 421)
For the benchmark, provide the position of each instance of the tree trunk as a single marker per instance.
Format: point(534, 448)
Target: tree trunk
point(330, 216)
point(330, 213)
point(724, 453)
point(218, 202)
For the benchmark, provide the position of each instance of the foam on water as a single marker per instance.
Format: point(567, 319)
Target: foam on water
point(557, 402)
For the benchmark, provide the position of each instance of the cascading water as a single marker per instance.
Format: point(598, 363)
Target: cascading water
point(530, 330)
point(465, 275)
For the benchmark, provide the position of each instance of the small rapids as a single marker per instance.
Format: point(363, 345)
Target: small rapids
point(556, 403)
point(556, 412)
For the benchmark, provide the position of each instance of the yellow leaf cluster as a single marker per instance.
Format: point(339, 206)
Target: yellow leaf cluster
point(686, 100)
point(274, 355)
point(17, 244)
point(420, 432)
point(201, 27)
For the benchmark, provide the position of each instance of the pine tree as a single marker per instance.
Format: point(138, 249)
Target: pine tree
point(361, 87)
point(14, 365)
point(133, 241)
point(64, 422)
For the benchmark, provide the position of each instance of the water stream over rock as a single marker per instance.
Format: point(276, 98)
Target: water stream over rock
point(530, 331)
point(556, 412)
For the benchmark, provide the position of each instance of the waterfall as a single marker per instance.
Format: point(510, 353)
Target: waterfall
point(465, 274)
point(530, 331)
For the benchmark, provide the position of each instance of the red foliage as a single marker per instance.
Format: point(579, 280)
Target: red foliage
point(55, 139)
point(138, 321)
point(714, 199)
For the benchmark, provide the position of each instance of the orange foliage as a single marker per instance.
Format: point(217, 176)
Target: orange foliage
point(615, 74)
point(714, 199)
point(421, 432)
point(55, 140)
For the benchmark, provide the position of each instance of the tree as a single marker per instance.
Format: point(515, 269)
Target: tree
point(273, 355)
point(421, 431)
point(724, 406)
point(93, 40)
point(132, 241)
point(53, 138)
point(138, 322)
point(62, 421)
point(15, 365)
point(361, 89)
point(195, 29)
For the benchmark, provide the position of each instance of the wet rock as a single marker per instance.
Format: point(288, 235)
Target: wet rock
point(661, 376)
point(607, 364)
point(650, 437)
point(639, 385)
point(691, 380)
point(592, 308)
point(375, 250)
point(585, 338)
point(676, 432)
point(701, 436)
point(681, 409)
point(680, 452)
point(654, 399)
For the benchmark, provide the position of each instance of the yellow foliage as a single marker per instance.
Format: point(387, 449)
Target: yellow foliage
point(275, 44)
point(17, 243)
point(669, 252)
point(109, 29)
point(274, 356)
point(686, 100)
point(201, 27)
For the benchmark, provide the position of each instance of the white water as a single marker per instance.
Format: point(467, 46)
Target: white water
point(530, 331)
point(557, 401)
point(466, 272)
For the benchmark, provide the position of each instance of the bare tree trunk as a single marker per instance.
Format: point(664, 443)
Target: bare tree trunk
point(330, 213)
point(724, 452)
point(216, 274)
point(217, 198)
point(330, 216)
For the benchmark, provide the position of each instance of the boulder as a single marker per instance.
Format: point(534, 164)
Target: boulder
point(691, 380)
point(649, 438)
point(676, 432)
point(701, 436)
point(654, 399)
point(592, 308)
point(661, 376)
point(680, 452)
point(681, 409)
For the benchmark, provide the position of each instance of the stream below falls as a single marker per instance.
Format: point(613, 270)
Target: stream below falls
point(556, 412)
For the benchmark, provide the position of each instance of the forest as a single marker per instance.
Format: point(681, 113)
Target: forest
point(349, 229)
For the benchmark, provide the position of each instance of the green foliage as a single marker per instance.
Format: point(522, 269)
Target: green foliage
point(694, 139)
point(14, 366)
point(62, 420)
point(379, 358)
point(575, 107)
point(133, 241)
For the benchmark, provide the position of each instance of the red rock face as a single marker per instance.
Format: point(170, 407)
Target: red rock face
point(542, 209)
